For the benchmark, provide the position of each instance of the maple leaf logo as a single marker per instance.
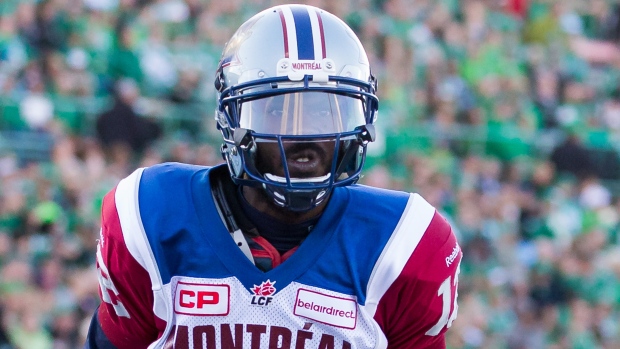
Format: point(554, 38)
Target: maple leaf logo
point(264, 289)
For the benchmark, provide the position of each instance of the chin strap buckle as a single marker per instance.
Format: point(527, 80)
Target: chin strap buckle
point(243, 139)
point(367, 133)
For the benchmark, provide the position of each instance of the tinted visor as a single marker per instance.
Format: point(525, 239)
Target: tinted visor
point(303, 113)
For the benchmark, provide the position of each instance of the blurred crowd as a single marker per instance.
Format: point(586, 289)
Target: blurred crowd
point(504, 114)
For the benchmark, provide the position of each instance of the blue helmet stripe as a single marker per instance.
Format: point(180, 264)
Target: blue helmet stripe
point(303, 31)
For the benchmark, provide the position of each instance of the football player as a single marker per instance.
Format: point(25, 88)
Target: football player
point(279, 248)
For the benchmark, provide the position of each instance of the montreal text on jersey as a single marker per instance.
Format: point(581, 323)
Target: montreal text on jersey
point(251, 336)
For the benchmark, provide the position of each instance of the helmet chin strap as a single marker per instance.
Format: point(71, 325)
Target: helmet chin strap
point(279, 179)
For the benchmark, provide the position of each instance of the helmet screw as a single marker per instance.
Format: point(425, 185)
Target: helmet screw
point(284, 65)
point(261, 74)
point(328, 65)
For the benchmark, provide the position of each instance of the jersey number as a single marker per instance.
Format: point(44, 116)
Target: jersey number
point(106, 285)
point(445, 292)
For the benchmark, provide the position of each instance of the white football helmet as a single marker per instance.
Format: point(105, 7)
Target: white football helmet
point(295, 74)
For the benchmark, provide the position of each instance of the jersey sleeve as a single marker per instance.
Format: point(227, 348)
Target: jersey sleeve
point(421, 303)
point(126, 313)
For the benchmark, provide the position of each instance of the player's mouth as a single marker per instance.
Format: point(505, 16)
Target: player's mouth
point(307, 162)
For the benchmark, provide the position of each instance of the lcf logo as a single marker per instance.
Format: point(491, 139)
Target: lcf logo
point(263, 293)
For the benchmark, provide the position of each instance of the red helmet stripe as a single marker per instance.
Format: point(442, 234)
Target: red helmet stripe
point(318, 15)
point(284, 32)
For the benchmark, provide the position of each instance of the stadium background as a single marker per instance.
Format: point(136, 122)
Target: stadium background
point(504, 114)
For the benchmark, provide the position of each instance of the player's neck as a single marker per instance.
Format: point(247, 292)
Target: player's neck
point(260, 201)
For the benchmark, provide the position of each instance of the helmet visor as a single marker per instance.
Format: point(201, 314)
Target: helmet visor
point(303, 113)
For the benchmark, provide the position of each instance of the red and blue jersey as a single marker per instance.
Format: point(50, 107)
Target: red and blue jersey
point(379, 270)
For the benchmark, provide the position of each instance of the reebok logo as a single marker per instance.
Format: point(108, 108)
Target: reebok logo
point(455, 252)
point(331, 310)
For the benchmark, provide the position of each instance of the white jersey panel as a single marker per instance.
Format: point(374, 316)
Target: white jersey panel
point(413, 224)
point(127, 204)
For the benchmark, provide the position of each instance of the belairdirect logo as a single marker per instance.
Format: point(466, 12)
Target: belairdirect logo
point(263, 293)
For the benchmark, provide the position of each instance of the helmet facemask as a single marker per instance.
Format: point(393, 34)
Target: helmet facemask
point(280, 140)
